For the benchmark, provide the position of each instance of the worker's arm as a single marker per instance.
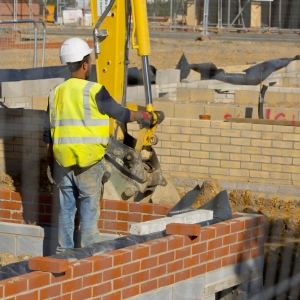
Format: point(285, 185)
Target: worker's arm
point(107, 105)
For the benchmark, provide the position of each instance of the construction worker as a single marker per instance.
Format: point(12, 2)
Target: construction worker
point(76, 134)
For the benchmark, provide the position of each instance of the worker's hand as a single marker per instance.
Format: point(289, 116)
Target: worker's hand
point(145, 119)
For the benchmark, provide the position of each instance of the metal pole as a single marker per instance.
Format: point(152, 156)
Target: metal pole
point(44, 43)
point(171, 13)
point(279, 21)
point(228, 17)
point(219, 14)
point(270, 14)
point(205, 17)
point(195, 12)
point(146, 79)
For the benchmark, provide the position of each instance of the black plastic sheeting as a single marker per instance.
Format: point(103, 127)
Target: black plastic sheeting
point(135, 76)
point(253, 75)
point(221, 212)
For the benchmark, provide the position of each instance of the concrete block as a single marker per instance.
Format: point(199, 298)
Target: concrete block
point(195, 216)
point(8, 244)
point(160, 294)
point(167, 76)
point(131, 93)
point(246, 97)
point(140, 93)
point(29, 245)
point(183, 95)
point(219, 112)
point(203, 96)
point(41, 86)
point(219, 274)
point(193, 76)
point(13, 89)
point(19, 102)
point(19, 229)
point(167, 108)
point(293, 66)
point(189, 289)
point(160, 224)
point(40, 102)
point(188, 111)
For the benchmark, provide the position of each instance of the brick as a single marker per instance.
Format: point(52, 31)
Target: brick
point(108, 215)
point(85, 293)
point(222, 229)
point(122, 282)
point(37, 280)
point(140, 276)
point(221, 252)
point(112, 273)
point(141, 207)
point(120, 257)
point(166, 258)
point(102, 289)
point(47, 264)
point(149, 262)
point(216, 243)
point(229, 260)
point(214, 265)
point(174, 266)
point(5, 214)
point(82, 267)
point(198, 270)
point(129, 292)
point(131, 268)
point(229, 239)
point(138, 252)
point(209, 255)
point(116, 205)
point(29, 295)
point(252, 150)
point(158, 271)
point(148, 286)
point(118, 226)
point(14, 285)
point(129, 217)
point(50, 292)
point(183, 229)
point(6, 194)
point(207, 233)
point(182, 253)
point(93, 279)
point(166, 280)
point(182, 275)
point(190, 261)
point(72, 285)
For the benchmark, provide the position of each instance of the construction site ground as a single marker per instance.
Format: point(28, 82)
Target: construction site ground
point(283, 225)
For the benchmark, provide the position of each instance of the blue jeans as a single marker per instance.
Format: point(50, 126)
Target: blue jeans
point(85, 183)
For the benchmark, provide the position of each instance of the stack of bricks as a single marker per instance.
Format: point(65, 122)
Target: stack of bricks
point(179, 266)
point(248, 155)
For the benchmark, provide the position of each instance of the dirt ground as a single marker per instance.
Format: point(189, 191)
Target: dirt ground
point(283, 226)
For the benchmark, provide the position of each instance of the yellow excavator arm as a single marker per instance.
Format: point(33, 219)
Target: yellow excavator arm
point(134, 167)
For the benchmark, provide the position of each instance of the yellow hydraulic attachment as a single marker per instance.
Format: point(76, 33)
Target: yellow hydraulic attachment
point(134, 160)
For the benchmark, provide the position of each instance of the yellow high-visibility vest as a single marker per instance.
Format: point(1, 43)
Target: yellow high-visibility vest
point(79, 132)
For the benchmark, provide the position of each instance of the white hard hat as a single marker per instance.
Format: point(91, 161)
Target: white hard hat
point(73, 50)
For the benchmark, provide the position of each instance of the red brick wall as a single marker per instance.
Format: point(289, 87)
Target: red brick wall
point(137, 269)
point(37, 209)
point(7, 10)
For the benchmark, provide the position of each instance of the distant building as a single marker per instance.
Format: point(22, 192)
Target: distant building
point(26, 9)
